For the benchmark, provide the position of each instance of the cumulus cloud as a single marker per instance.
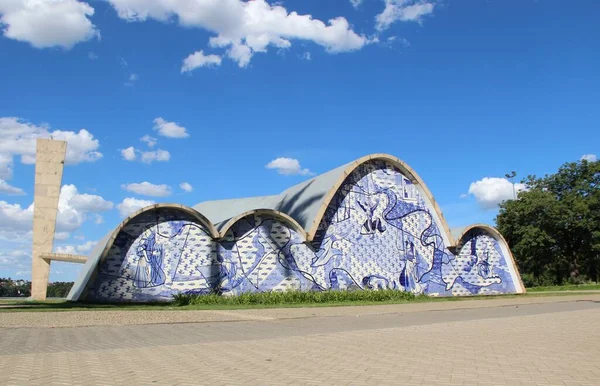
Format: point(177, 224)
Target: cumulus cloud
point(287, 166)
point(169, 129)
point(243, 28)
point(131, 79)
point(402, 10)
point(356, 3)
point(148, 140)
point(131, 205)
point(186, 187)
point(6, 165)
point(198, 59)
point(88, 202)
point(73, 210)
point(147, 157)
point(18, 257)
point(6, 188)
point(76, 249)
point(129, 154)
point(15, 221)
point(47, 23)
point(147, 189)
point(159, 155)
point(491, 191)
point(589, 157)
point(18, 138)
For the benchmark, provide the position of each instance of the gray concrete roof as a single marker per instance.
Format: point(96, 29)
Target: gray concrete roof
point(301, 202)
point(88, 269)
point(457, 232)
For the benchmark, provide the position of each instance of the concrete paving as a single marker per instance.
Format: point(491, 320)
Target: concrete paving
point(533, 341)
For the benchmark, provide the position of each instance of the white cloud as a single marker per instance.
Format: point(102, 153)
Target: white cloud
point(169, 129)
point(131, 205)
point(491, 191)
point(244, 28)
point(92, 56)
point(73, 210)
point(6, 188)
point(131, 79)
point(89, 202)
point(402, 10)
point(129, 154)
point(198, 59)
point(147, 157)
point(6, 165)
point(356, 3)
point(159, 155)
point(61, 236)
point(148, 140)
point(589, 157)
point(76, 249)
point(15, 221)
point(147, 189)
point(186, 187)
point(306, 56)
point(287, 166)
point(98, 219)
point(15, 258)
point(18, 138)
point(47, 23)
point(392, 40)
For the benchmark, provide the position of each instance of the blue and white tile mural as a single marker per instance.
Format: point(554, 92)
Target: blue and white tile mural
point(378, 232)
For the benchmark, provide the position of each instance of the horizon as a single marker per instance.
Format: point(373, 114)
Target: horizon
point(164, 104)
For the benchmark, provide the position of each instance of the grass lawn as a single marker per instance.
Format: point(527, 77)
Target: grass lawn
point(279, 300)
point(566, 287)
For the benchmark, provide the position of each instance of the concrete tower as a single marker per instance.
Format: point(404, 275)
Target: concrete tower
point(49, 164)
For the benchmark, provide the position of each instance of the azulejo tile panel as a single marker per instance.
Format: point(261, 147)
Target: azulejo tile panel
point(378, 232)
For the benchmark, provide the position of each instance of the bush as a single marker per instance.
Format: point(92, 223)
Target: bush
point(293, 297)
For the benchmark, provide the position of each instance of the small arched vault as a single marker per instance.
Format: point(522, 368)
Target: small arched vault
point(371, 223)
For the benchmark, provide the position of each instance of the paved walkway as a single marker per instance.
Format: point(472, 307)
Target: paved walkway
point(534, 341)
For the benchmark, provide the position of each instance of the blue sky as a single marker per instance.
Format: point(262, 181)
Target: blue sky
point(463, 91)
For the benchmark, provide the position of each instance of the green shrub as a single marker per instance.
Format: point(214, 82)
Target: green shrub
point(293, 297)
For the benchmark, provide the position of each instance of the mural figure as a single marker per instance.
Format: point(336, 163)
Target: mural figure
point(378, 232)
point(149, 261)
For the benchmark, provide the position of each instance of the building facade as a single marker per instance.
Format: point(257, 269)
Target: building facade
point(371, 224)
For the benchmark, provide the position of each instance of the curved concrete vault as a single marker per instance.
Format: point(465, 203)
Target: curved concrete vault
point(371, 223)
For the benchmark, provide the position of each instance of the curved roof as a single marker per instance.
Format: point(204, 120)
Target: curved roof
point(302, 206)
point(306, 202)
point(104, 245)
point(461, 233)
point(224, 226)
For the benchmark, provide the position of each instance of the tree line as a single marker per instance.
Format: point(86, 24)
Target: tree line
point(22, 288)
point(553, 227)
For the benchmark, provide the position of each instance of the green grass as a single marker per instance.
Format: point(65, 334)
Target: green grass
point(566, 287)
point(271, 300)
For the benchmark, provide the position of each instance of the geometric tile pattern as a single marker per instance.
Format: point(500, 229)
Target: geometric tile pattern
point(378, 232)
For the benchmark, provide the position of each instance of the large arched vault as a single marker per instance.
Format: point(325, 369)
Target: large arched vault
point(369, 224)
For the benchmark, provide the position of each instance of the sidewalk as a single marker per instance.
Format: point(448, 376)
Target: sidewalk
point(52, 319)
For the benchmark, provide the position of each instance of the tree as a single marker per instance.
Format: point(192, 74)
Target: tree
point(553, 228)
point(59, 289)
